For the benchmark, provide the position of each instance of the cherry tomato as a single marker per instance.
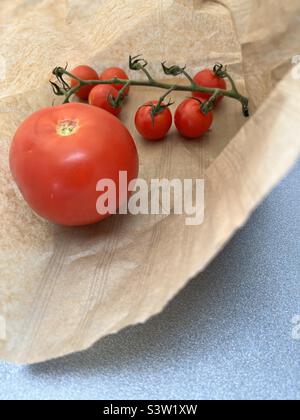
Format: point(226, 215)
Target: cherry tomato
point(59, 155)
point(153, 128)
point(84, 73)
point(99, 97)
point(113, 72)
point(190, 121)
point(209, 79)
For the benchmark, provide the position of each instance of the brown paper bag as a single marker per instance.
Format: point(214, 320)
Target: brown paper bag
point(63, 289)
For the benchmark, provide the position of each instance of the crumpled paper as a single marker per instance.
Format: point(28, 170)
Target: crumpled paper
point(63, 289)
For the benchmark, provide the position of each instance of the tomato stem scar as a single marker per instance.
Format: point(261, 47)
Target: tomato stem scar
point(67, 127)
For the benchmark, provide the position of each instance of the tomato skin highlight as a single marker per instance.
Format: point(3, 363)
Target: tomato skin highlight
point(190, 121)
point(84, 73)
point(144, 122)
point(207, 78)
point(59, 154)
point(99, 97)
point(113, 72)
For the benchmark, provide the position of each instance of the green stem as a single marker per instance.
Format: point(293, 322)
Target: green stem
point(185, 73)
point(161, 100)
point(150, 78)
point(233, 85)
point(209, 104)
point(121, 96)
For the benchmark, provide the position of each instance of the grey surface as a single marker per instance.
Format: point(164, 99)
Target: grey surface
point(227, 335)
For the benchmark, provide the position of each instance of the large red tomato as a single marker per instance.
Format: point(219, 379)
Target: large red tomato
point(59, 154)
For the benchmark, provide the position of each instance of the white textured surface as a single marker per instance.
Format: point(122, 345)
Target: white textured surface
point(227, 335)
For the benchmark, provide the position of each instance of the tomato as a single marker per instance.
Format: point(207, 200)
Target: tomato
point(153, 128)
point(59, 154)
point(84, 73)
point(99, 97)
point(190, 121)
point(113, 72)
point(209, 79)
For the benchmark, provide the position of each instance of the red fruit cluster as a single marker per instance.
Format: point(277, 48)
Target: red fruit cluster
point(153, 122)
point(99, 95)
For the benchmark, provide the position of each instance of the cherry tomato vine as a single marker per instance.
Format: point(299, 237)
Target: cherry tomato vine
point(62, 88)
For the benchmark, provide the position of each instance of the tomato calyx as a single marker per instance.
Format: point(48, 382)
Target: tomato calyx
point(220, 71)
point(173, 70)
point(158, 108)
point(112, 101)
point(59, 72)
point(205, 106)
point(137, 63)
point(118, 101)
point(57, 90)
